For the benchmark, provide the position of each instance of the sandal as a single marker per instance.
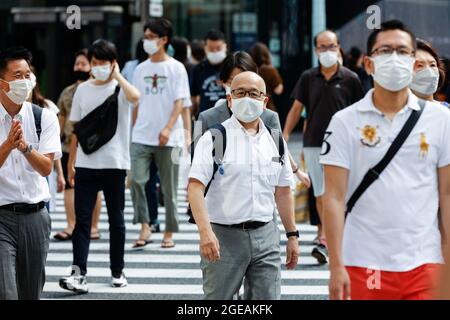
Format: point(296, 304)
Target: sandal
point(141, 243)
point(96, 236)
point(167, 244)
point(63, 236)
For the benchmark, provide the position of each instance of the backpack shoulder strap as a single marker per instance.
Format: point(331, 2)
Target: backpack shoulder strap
point(219, 137)
point(37, 113)
point(279, 142)
point(374, 173)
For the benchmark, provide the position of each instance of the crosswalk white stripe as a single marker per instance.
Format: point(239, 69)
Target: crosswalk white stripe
point(181, 247)
point(151, 258)
point(178, 289)
point(104, 226)
point(178, 273)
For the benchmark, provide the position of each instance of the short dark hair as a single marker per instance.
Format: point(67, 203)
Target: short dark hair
point(81, 52)
point(427, 47)
point(387, 26)
point(12, 54)
point(198, 50)
point(180, 47)
point(322, 32)
point(162, 27)
point(260, 54)
point(102, 50)
point(239, 59)
point(139, 52)
point(214, 35)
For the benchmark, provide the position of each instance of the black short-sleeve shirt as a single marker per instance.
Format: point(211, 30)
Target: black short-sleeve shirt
point(322, 99)
point(204, 83)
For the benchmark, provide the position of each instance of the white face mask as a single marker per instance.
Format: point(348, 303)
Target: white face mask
point(247, 109)
point(393, 72)
point(102, 72)
point(19, 91)
point(328, 58)
point(425, 81)
point(216, 57)
point(151, 46)
point(227, 89)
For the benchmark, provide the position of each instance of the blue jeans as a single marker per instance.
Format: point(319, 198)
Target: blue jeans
point(88, 182)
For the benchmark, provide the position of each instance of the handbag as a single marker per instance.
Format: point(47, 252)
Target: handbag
point(99, 126)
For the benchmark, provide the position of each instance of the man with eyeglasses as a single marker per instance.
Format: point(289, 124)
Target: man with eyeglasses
point(390, 247)
point(238, 235)
point(322, 91)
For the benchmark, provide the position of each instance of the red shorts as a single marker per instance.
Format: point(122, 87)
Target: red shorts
point(417, 284)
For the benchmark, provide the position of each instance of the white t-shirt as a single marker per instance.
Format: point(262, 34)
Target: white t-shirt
point(394, 225)
point(160, 85)
point(115, 154)
point(244, 190)
point(19, 182)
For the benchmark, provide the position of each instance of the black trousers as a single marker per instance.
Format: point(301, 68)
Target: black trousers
point(88, 182)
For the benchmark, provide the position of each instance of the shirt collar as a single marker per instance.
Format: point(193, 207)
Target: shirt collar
point(339, 74)
point(366, 104)
point(4, 114)
point(236, 124)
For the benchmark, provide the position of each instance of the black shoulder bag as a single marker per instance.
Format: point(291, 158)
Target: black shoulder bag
point(373, 174)
point(99, 126)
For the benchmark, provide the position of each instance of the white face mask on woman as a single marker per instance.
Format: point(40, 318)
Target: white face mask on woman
point(393, 72)
point(102, 72)
point(425, 81)
point(19, 90)
point(247, 109)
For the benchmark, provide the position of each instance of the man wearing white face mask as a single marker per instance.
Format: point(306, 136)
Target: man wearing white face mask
point(322, 91)
point(238, 235)
point(29, 143)
point(158, 131)
point(205, 87)
point(101, 169)
point(429, 72)
point(387, 175)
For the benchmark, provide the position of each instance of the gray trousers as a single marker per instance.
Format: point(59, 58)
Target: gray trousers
point(24, 243)
point(141, 157)
point(253, 254)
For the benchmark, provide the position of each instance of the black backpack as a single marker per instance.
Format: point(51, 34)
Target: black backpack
point(218, 156)
point(37, 114)
point(99, 126)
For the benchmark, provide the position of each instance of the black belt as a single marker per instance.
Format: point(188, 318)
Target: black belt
point(244, 225)
point(23, 207)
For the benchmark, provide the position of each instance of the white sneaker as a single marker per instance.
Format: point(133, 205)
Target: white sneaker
point(77, 284)
point(119, 282)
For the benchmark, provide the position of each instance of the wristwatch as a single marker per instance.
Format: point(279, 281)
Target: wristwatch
point(292, 234)
point(29, 149)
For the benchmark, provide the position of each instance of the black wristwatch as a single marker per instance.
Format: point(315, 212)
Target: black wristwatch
point(293, 234)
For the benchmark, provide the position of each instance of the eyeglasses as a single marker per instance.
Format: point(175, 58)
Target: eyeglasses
point(387, 50)
point(331, 47)
point(253, 93)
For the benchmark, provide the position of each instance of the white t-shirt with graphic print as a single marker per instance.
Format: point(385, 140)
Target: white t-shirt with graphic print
point(160, 85)
point(394, 226)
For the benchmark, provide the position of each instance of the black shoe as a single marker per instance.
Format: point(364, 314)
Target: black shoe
point(155, 228)
point(320, 252)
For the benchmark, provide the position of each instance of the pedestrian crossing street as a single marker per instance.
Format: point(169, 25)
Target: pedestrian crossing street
point(156, 273)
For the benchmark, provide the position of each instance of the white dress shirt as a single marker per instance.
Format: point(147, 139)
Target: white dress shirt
point(245, 189)
point(19, 182)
